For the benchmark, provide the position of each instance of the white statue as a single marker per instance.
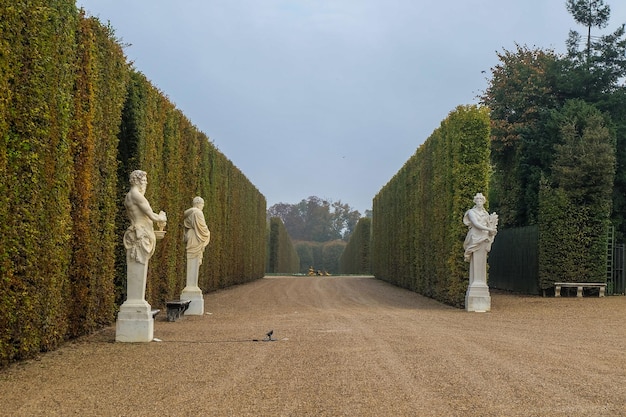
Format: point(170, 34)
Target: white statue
point(139, 239)
point(197, 237)
point(197, 234)
point(134, 320)
point(482, 231)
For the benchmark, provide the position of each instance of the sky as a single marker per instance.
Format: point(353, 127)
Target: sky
point(327, 98)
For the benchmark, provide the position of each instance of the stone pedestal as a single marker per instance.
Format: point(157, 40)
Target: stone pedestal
point(134, 320)
point(192, 291)
point(477, 298)
point(196, 308)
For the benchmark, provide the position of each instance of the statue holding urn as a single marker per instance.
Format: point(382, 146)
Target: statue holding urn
point(134, 320)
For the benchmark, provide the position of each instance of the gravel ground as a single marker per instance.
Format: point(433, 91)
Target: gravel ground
point(344, 346)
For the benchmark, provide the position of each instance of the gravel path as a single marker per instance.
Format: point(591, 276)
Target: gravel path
point(345, 346)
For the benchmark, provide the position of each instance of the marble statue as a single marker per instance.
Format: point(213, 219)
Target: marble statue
point(134, 321)
point(197, 237)
point(482, 229)
point(139, 239)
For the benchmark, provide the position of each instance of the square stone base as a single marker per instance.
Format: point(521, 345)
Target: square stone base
point(478, 299)
point(134, 323)
point(196, 307)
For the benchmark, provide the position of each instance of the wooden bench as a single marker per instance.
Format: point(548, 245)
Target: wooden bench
point(579, 286)
point(176, 308)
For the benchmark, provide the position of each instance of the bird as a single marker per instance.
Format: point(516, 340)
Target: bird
point(269, 334)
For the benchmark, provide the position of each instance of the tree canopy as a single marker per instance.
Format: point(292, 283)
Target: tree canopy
point(531, 92)
point(316, 219)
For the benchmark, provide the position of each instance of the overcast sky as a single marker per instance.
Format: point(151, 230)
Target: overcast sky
point(326, 98)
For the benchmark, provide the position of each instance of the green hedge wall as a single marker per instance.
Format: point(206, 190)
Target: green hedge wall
point(182, 163)
point(355, 259)
point(322, 256)
point(281, 254)
point(75, 120)
point(99, 93)
point(575, 202)
point(417, 228)
point(572, 240)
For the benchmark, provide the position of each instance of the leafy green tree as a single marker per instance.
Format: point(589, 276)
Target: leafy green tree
point(595, 69)
point(595, 72)
point(584, 163)
point(344, 219)
point(318, 219)
point(589, 13)
point(528, 85)
point(521, 94)
point(315, 219)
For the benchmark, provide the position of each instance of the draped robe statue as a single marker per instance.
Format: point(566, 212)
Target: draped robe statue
point(482, 229)
point(197, 237)
point(197, 234)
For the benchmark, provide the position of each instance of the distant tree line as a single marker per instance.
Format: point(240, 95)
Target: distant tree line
point(319, 229)
point(317, 220)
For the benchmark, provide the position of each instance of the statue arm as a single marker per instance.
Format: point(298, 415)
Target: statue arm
point(144, 206)
point(476, 223)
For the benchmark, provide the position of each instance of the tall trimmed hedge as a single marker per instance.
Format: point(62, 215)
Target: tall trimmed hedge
point(355, 259)
point(99, 93)
point(322, 256)
point(281, 254)
point(417, 228)
point(75, 120)
point(575, 202)
point(37, 50)
point(572, 240)
point(182, 163)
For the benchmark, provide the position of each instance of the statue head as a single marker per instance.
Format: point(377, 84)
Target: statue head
point(479, 198)
point(139, 179)
point(198, 202)
point(138, 176)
